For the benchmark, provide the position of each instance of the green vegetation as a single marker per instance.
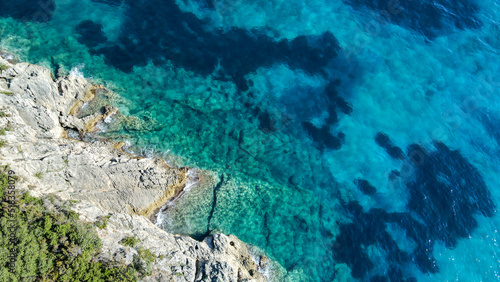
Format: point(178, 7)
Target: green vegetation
point(7, 93)
point(3, 67)
point(3, 114)
point(53, 245)
point(39, 175)
point(2, 143)
point(3, 130)
point(102, 222)
point(142, 262)
point(130, 241)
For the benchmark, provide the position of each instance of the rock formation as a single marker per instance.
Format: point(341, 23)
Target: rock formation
point(44, 122)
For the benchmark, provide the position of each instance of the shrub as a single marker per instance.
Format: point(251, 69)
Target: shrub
point(146, 255)
point(50, 245)
point(130, 241)
point(142, 262)
point(102, 222)
point(3, 130)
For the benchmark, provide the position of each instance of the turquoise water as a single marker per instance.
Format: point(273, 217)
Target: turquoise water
point(284, 102)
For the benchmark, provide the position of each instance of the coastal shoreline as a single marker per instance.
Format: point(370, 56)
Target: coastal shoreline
point(49, 146)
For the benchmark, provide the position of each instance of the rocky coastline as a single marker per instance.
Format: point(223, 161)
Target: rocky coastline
point(49, 143)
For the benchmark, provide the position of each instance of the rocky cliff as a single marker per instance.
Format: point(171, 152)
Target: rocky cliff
point(44, 145)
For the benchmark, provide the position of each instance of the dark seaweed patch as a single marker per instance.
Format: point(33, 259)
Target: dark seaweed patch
point(383, 141)
point(322, 136)
point(159, 30)
point(365, 187)
point(446, 193)
point(28, 10)
point(365, 230)
point(90, 33)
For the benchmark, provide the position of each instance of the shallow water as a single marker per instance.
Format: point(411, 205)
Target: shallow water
point(347, 138)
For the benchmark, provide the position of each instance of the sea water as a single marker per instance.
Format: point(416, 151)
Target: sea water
point(345, 139)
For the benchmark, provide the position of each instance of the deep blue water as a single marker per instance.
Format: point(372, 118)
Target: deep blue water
point(345, 139)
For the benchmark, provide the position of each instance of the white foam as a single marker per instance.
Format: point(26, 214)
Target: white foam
point(193, 180)
point(77, 71)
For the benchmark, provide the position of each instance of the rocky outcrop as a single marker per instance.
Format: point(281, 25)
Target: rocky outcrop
point(43, 144)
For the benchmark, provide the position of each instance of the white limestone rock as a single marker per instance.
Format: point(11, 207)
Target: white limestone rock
point(103, 180)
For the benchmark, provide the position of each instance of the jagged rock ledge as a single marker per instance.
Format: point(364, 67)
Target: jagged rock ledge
point(44, 146)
